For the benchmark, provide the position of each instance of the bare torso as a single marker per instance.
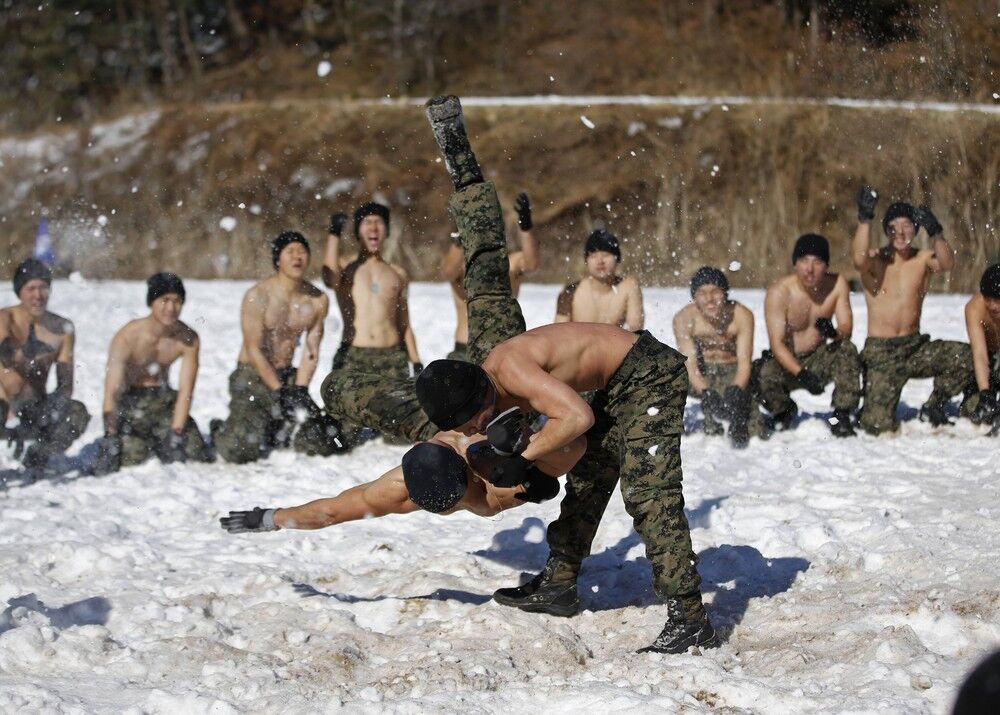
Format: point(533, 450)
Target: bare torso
point(594, 301)
point(991, 325)
point(151, 352)
point(286, 317)
point(458, 295)
point(584, 356)
point(28, 352)
point(369, 294)
point(715, 340)
point(801, 309)
point(895, 288)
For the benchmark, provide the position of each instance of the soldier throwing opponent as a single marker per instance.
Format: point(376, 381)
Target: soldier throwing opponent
point(142, 414)
point(895, 279)
point(31, 340)
point(633, 428)
point(268, 396)
point(807, 349)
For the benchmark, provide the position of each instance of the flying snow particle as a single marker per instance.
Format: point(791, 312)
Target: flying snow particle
point(227, 223)
point(735, 266)
point(102, 220)
point(255, 209)
point(323, 69)
point(652, 450)
point(996, 95)
point(586, 122)
point(653, 411)
point(242, 205)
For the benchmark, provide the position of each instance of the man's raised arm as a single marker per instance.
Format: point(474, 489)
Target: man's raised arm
point(943, 259)
point(331, 256)
point(526, 237)
point(383, 496)
point(861, 245)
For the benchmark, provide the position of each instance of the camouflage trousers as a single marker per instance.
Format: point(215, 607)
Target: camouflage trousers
point(972, 402)
point(144, 417)
point(390, 363)
point(54, 422)
point(719, 376)
point(255, 424)
point(636, 438)
point(835, 362)
point(461, 352)
point(890, 362)
point(389, 404)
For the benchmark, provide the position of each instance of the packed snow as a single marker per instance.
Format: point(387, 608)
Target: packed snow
point(845, 576)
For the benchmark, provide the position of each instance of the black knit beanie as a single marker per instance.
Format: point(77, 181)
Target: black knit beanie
point(371, 208)
point(452, 392)
point(709, 275)
point(811, 244)
point(990, 283)
point(30, 270)
point(601, 240)
point(900, 208)
point(279, 242)
point(161, 284)
point(435, 476)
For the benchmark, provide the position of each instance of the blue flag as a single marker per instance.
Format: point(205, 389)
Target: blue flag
point(44, 251)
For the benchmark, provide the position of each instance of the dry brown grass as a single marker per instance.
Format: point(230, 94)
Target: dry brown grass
point(781, 171)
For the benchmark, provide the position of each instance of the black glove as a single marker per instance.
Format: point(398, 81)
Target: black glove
point(539, 487)
point(498, 470)
point(417, 368)
point(867, 198)
point(174, 448)
point(523, 208)
point(295, 399)
point(986, 410)
point(337, 222)
point(506, 432)
point(15, 440)
point(737, 401)
point(109, 455)
point(239, 522)
point(826, 329)
point(924, 217)
point(809, 381)
point(711, 401)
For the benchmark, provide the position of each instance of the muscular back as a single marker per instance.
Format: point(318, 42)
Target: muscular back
point(894, 292)
point(370, 294)
point(284, 318)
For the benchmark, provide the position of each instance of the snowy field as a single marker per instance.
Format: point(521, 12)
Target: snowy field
point(846, 576)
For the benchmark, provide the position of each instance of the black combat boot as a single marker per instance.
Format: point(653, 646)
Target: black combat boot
point(782, 421)
point(553, 591)
point(842, 426)
point(445, 115)
point(680, 633)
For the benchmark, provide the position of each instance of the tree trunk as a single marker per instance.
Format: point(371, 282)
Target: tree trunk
point(237, 24)
point(165, 38)
point(813, 26)
point(184, 30)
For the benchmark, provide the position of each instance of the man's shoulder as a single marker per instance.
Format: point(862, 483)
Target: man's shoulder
point(399, 271)
point(185, 334)
point(55, 323)
point(312, 292)
point(688, 312)
point(740, 311)
point(780, 286)
point(570, 287)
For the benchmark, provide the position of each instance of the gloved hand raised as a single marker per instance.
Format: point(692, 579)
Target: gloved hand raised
point(810, 381)
point(926, 218)
point(523, 207)
point(827, 329)
point(867, 198)
point(337, 222)
point(256, 520)
point(296, 404)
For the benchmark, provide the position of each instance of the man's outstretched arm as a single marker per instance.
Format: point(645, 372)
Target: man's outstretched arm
point(383, 496)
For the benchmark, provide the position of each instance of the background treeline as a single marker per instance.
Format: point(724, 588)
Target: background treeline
point(83, 58)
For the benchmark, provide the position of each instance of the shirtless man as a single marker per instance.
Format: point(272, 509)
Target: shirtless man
point(451, 464)
point(269, 397)
point(716, 335)
point(982, 321)
point(372, 298)
point(142, 414)
point(807, 349)
point(31, 340)
point(521, 263)
point(633, 427)
point(602, 296)
point(895, 280)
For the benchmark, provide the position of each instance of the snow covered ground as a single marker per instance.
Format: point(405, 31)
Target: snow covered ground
point(846, 576)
